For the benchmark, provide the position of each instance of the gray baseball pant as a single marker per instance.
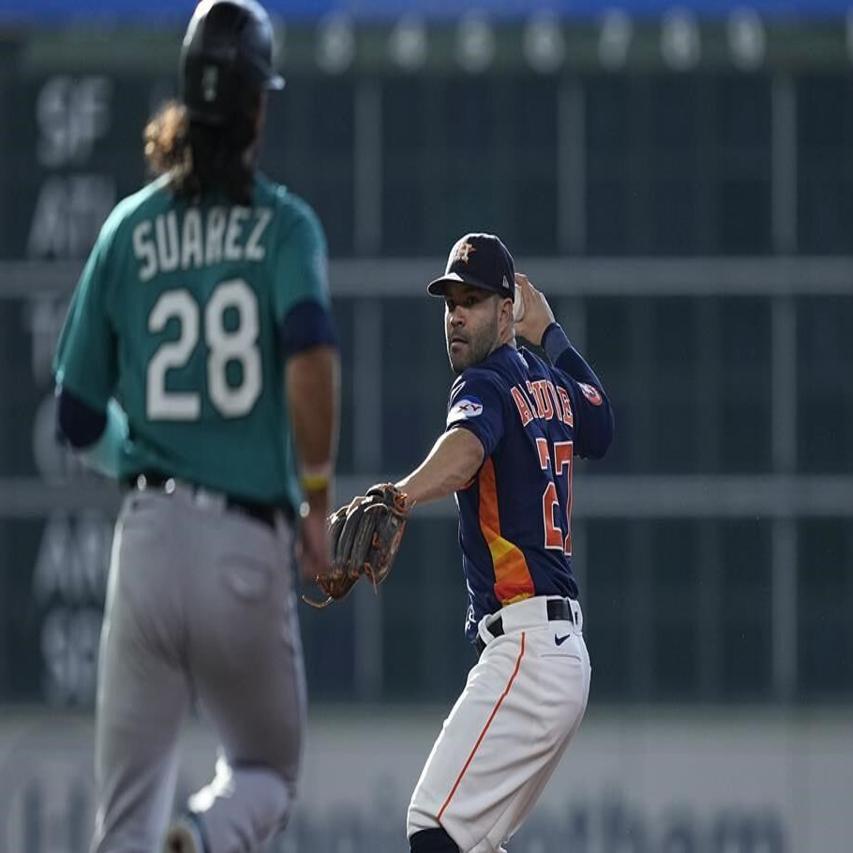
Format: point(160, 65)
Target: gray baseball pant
point(200, 603)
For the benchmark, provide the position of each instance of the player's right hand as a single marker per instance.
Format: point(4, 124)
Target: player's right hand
point(315, 553)
point(537, 312)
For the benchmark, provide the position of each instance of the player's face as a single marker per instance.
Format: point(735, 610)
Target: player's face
point(470, 324)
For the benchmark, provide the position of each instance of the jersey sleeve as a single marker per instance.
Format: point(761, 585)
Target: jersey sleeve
point(594, 422)
point(301, 272)
point(86, 360)
point(476, 404)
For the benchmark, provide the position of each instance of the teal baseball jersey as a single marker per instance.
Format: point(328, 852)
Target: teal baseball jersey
point(177, 316)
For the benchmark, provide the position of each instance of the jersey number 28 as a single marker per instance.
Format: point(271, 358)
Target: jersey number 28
point(223, 346)
point(560, 463)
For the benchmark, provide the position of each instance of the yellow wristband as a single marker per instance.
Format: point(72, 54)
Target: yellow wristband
point(315, 482)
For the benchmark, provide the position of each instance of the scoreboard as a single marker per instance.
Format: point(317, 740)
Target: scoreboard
point(73, 103)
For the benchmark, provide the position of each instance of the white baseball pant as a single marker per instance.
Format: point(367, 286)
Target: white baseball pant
point(522, 704)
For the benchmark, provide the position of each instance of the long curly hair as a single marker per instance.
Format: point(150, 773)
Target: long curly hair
point(200, 158)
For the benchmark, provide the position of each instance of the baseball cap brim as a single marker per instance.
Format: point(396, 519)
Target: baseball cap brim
point(437, 287)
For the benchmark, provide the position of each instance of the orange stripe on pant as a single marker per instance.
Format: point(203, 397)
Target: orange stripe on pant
point(512, 575)
point(485, 728)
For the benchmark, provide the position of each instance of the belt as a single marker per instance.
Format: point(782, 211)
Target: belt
point(265, 513)
point(559, 610)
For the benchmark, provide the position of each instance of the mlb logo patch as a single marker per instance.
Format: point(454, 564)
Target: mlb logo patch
point(465, 408)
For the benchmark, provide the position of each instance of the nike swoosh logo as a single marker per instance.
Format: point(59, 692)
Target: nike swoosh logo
point(560, 640)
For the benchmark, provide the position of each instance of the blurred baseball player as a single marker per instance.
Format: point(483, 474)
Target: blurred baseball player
point(515, 424)
point(198, 354)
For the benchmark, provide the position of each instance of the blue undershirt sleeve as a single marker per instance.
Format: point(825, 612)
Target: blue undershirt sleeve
point(564, 356)
point(594, 422)
point(306, 324)
point(98, 436)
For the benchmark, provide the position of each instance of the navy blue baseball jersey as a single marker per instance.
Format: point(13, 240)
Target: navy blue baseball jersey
point(533, 419)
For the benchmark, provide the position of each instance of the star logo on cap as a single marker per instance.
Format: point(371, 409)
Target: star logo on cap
point(463, 252)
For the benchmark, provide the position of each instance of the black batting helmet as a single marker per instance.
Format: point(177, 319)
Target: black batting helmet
point(226, 55)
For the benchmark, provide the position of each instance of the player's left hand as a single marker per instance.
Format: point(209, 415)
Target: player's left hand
point(365, 536)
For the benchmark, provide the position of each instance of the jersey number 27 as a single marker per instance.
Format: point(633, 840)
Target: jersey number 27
point(560, 463)
point(223, 346)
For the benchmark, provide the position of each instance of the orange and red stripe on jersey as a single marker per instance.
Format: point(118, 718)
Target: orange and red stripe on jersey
point(512, 575)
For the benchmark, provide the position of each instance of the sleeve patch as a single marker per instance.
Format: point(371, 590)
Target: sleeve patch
point(591, 393)
point(464, 409)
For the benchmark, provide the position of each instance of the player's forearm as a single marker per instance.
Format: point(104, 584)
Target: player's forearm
point(453, 461)
point(313, 391)
point(596, 420)
point(561, 353)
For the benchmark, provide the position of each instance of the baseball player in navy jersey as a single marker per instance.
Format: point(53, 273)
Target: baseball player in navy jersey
point(515, 424)
point(198, 366)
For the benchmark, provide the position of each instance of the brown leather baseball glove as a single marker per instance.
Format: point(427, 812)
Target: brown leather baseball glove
point(365, 537)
